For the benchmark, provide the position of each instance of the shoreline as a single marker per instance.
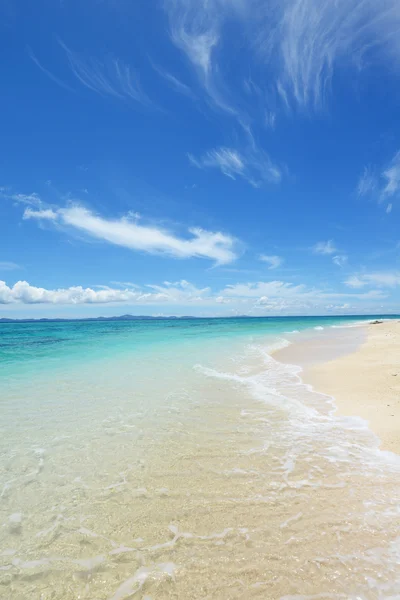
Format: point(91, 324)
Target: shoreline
point(363, 377)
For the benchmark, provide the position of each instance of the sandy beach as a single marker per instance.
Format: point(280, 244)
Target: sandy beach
point(179, 459)
point(365, 381)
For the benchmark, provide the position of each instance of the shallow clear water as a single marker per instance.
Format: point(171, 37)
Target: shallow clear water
point(177, 459)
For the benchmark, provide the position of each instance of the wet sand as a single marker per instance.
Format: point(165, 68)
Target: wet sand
point(360, 367)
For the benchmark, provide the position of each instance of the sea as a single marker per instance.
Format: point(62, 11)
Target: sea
point(178, 459)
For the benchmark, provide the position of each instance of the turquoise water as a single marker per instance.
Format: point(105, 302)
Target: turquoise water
point(29, 347)
point(177, 459)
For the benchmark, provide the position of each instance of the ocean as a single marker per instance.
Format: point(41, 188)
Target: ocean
point(178, 459)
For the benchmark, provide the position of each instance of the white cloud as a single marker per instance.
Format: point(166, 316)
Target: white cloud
point(222, 300)
point(273, 261)
point(264, 289)
point(389, 209)
point(249, 298)
point(297, 296)
point(340, 260)
point(125, 232)
point(253, 166)
point(24, 293)
point(46, 214)
point(257, 298)
point(380, 279)
point(325, 248)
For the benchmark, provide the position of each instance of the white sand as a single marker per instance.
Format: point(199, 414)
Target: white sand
point(364, 382)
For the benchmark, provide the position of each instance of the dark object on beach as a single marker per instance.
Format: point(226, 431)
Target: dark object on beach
point(375, 322)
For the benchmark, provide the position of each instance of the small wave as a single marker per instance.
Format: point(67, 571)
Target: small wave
point(291, 332)
point(351, 325)
point(318, 328)
point(263, 386)
point(277, 345)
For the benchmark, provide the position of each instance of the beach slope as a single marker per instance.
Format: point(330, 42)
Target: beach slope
point(366, 383)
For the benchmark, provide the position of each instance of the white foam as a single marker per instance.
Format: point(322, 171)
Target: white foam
point(260, 389)
point(279, 344)
point(310, 414)
point(354, 324)
point(318, 328)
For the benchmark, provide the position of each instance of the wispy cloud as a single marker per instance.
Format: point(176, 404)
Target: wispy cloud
point(256, 168)
point(270, 120)
point(8, 266)
point(301, 42)
point(315, 37)
point(174, 82)
point(273, 261)
point(227, 160)
point(380, 279)
point(367, 183)
point(391, 176)
point(111, 77)
point(383, 187)
point(128, 233)
point(48, 73)
point(28, 199)
point(195, 28)
point(198, 29)
point(325, 248)
point(340, 260)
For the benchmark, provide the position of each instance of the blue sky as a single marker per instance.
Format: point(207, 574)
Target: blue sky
point(205, 157)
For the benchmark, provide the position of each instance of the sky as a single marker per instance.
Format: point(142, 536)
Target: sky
point(199, 157)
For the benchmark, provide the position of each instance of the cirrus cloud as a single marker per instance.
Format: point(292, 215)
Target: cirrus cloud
point(254, 166)
point(383, 186)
